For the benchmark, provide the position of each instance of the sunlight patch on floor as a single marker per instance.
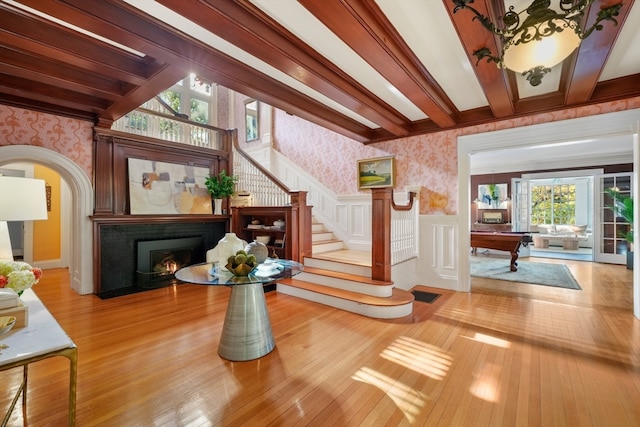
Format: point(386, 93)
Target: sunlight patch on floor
point(418, 356)
point(408, 400)
point(487, 339)
point(425, 359)
point(486, 382)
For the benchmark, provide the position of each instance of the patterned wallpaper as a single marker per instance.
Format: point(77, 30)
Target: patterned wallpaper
point(70, 137)
point(428, 161)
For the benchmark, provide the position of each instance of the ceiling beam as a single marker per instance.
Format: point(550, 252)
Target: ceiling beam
point(45, 107)
point(27, 89)
point(247, 27)
point(365, 29)
point(43, 37)
point(163, 79)
point(195, 55)
point(474, 36)
point(50, 71)
point(593, 52)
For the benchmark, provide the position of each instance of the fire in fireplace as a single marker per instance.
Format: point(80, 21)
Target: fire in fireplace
point(158, 260)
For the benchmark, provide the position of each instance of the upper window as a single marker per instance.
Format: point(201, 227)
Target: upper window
point(193, 97)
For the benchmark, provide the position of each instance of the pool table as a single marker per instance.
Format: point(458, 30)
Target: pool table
point(507, 241)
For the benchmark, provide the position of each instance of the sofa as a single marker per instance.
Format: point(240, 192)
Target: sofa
point(564, 236)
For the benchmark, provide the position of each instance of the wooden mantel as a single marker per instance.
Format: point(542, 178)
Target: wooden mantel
point(112, 150)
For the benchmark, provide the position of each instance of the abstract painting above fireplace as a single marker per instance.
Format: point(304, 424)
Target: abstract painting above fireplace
point(162, 188)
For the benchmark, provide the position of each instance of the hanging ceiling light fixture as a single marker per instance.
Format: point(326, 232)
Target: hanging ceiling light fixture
point(542, 39)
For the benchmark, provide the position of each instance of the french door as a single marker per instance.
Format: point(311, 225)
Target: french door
point(520, 212)
point(609, 246)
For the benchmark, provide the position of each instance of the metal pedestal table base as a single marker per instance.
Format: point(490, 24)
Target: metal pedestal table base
point(246, 334)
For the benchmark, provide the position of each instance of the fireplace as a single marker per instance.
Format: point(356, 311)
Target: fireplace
point(158, 260)
point(117, 240)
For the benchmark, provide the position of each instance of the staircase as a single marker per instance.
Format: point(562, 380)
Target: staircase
point(341, 278)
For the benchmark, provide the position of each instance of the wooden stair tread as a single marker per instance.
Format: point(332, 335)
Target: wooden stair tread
point(398, 297)
point(346, 276)
point(327, 241)
point(329, 256)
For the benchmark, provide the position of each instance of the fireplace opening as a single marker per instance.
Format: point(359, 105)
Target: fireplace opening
point(158, 260)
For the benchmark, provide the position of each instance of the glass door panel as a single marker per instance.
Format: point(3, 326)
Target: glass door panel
point(611, 246)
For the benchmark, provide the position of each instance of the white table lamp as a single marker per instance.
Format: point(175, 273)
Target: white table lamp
point(21, 199)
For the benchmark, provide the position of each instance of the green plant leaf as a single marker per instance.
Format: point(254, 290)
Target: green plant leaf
point(220, 185)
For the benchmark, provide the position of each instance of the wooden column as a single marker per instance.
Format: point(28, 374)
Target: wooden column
point(303, 212)
point(381, 201)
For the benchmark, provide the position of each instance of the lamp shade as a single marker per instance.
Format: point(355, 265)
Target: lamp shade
point(22, 199)
point(526, 51)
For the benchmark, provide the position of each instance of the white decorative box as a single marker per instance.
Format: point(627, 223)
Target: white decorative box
point(8, 298)
point(21, 312)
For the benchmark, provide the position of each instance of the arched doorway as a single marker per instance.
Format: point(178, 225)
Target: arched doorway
point(81, 251)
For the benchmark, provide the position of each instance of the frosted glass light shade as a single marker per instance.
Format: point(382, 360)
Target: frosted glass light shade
point(547, 52)
point(22, 199)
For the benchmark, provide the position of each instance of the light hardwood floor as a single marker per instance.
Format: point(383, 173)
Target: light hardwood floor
point(505, 354)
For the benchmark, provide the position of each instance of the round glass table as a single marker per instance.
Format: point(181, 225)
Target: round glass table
point(246, 333)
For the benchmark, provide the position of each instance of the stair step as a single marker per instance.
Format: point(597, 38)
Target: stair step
point(318, 226)
point(346, 266)
point(327, 246)
point(347, 256)
point(322, 236)
point(346, 276)
point(398, 304)
point(346, 281)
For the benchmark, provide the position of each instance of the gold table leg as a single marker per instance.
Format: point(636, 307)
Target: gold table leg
point(70, 353)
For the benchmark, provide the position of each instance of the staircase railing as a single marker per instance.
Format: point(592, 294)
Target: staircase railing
point(267, 190)
point(404, 231)
point(155, 120)
point(382, 235)
point(264, 188)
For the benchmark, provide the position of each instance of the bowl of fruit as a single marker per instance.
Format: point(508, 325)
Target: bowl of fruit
point(241, 264)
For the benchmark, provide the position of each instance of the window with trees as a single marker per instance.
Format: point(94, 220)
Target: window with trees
point(553, 204)
point(193, 97)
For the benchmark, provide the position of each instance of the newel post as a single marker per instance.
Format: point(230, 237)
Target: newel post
point(302, 221)
point(381, 201)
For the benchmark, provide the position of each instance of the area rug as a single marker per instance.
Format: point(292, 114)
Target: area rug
point(535, 273)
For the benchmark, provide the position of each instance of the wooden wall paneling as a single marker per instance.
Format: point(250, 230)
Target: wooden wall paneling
point(112, 151)
point(120, 178)
point(102, 160)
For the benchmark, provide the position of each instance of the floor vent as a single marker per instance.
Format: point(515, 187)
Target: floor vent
point(427, 297)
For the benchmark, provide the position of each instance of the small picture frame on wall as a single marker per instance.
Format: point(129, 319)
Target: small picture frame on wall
point(378, 172)
point(252, 117)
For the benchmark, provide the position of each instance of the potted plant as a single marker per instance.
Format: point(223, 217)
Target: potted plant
point(220, 186)
point(623, 208)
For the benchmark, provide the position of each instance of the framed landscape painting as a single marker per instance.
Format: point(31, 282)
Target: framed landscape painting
point(376, 173)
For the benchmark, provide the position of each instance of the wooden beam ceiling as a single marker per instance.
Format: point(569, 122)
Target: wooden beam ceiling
point(49, 67)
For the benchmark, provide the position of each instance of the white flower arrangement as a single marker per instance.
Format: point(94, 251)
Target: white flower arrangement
point(18, 275)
